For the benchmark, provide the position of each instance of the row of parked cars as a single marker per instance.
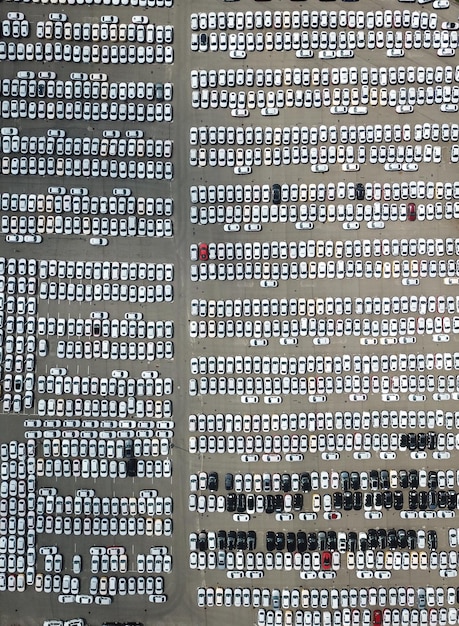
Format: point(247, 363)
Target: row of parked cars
point(151, 504)
point(327, 364)
point(268, 275)
point(250, 20)
point(131, 326)
point(75, 225)
point(78, 109)
point(339, 101)
point(92, 444)
point(95, 270)
point(88, 146)
point(115, 291)
point(313, 481)
point(349, 420)
point(319, 248)
point(277, 194)
point(366, 617)
point(99, 408)
point(52, 166)
point(305, 77)
point(95, 53)
point(81, 86)
point(312, 307)
point(393, 158)
point(313, 135)
point(307, 216)
point(394, 42)
point(110, 29)
point(334, 598)
point(77, 200)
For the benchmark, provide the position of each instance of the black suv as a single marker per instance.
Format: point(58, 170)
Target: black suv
point(212, 481)
point(276, 193)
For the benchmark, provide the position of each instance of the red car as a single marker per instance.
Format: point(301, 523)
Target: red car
point(203, 252)
point(377, 617)
point(411, 212)
point(326, 560)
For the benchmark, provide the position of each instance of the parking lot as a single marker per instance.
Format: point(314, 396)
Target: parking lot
point(229, 314)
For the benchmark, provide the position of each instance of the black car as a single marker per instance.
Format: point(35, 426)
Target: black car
point(250, 502)
point(159, 92)
point(382, 539)
point(337, 500)
point(384, 479)
point(403, 479)
point(378, 500)
point(360, 191)
point(212, 481)
point(413, 500)
point(229, 481)
point(432, 480)
point(322, 539)
point(202, 541)
point(231, 540)
point(432, 499)
point(221, 539)
point(278, 502)
point(348, 503)
point(357, 500)
point(305, 481)
point(413, 478)
point(412, 441)
point(432, 539)
point(398, 500)
point(422, 500)
point(368, 500)
point(241, 541)
point(388, 499)
point(352, 541)
point(241, 505)
point(280, 541)
point(312, 541)
point(412, 538)
point(372, 537)
point(403, 441)
point(231, 502)
point(344, 481)
point(422, 441)
point(432, 438)
point(301, 544)
point(392, 542)
point(402, 539)
point(128, 448)
point(442, 499)
point(270, 541)
point(276, 194)
point(132, 467)
point(297, 501)
point(332, 540)
point(374, 479)
point(452, 500)
point(291, 542)
point(286, 482)
point(269, 504)
point(355, 480)
point(251, 540)
point(363, 543)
